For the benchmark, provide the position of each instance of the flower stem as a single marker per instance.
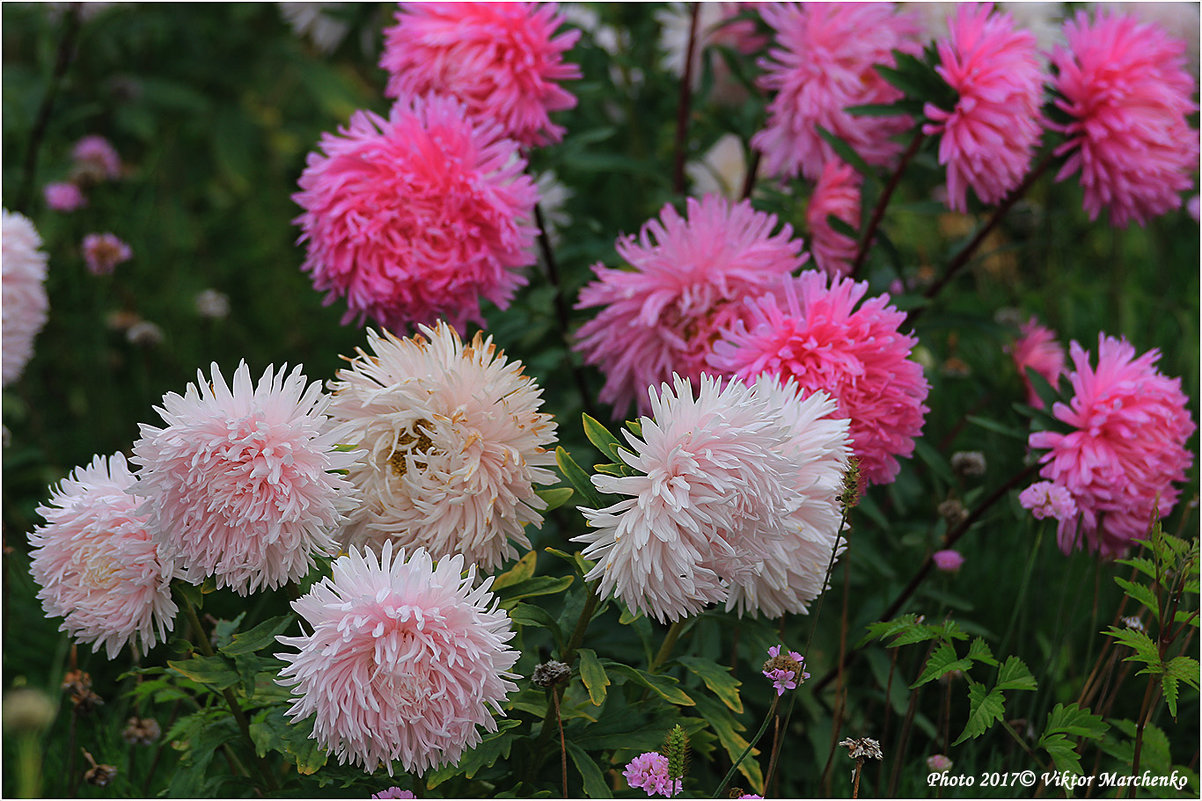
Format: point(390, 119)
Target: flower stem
point(563, 748)
point(586, 615)
point(682, 109)
point(730, 774)
point(665, 650)
point(882, 202)
point(855, 788)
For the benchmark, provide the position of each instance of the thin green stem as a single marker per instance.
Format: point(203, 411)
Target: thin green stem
point(1022, 592)
point(730, 774)
point(586, 615)
point(665, 650)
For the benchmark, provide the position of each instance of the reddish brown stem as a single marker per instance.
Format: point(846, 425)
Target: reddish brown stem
point(878, 213)
point(682, 110)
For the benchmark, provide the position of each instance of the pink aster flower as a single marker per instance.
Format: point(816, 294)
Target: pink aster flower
point(455, 443)
point(96, 159)
point(97, 565)
point(948, 561)
point(649, 772)
point(820, 339)
point(1125, 86)
point(406, 660)
point(938, 763)
point(23, 269)
point(393, 792)
point(502, 60)
point(103, 252)
point(689, 280)
point(417, 216)
point(1038, 349)
point(786, 671)
point(64, 196)
point(836, 194)
point(823, 61)
point(987, 139)
point(241, 483)
point(1127, 447)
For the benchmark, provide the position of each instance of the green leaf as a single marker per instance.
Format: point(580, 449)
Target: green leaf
point(539, 585)
point(272, 731)
point(1044, 390)
point(1145, 650)
point(602, 439)
point(717, 678)
point(664, 686)
point(1140, 593)
point(579, 479)
point(635, 427)
point(985, 709)
point(522, 570)
point(1063, 752)
point(1169, 685)
point(874, 110)
point(728, 730)
point(942, 662)
point(1014, 675)
point(212, 671)
point(1077, 722)
point(259, 637)
point(979, 652)
point(996, 427)
point(594, 780)
point(189, 592)
point(839, 226)
point(524, 614)
point(1184, 668)
point(555, 497)
point(592, 673)
point(1140, 563)
point(845, 152)
point(934, 460)
point(493, 746)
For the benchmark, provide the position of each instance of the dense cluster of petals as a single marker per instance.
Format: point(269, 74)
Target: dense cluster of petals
point(417, 216)
point(242, 482)
point(103, 252)
point(987, 139)
point(96, 159)
point(1125, 87)
point(95, 561)
point(836, 194)
point(649, 772)
point(406, 660)
point(687, 279)
point(454, 445)
point(1125, 450)
point(25, 303)
point(818, 337)
point(823, 61)
point(502, 60)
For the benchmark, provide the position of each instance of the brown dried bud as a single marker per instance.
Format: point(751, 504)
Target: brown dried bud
point(550, 673)
point(862, 748)
point(968, 464)
point(141, 731)
point(98, 775)
point(78, 686)
point(953, 512)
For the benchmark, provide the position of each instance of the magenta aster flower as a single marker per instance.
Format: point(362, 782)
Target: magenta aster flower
point(405, 660)
point(938, 763)
point(1038, 349)
point(96, 563)
point(1125, 86)
point(836, 194)
point(820, 339)
point(948, 561)
point(103, 252)
point(393, 792)
point(454, 443)
point(96, 158)
point(64, 196)
point(417, 216)
point(689, 280)
point(1127, 447)
point(649, 772)
point(823, 61)
point(240, 484)
point(986, 141)
point(786, 671)
point(502, 60)
point(23, 277)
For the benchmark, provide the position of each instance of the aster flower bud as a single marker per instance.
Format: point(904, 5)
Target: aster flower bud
point(550, 673)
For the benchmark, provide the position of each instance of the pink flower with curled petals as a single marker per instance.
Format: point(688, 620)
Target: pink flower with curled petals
point(1126, 450)
point(823, 61)
point(25, 303)
point(649, 772)
point(818, 337)
point(96, 158)
point(407, 660)
point(1038, 349)
point(987, 139)
point(64, 196)
point(417, 216)
point(689, 280)
point(947, 560)
point(242, 482)
point(103, 252)
point(502, 60)
point(1124, 84)
point(96, 563)
point(837, 194)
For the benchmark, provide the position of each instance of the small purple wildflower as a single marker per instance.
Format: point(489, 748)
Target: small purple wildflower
point(785, 670)
point(649, 772)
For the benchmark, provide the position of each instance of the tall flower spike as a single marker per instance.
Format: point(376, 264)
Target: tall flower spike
point(417, 216)
point(406, 660)
point(243, 483)
point(502, 60)
point(454, 442)
point(23, 269)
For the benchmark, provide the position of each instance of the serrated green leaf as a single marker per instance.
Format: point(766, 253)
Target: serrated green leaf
point(1014, 675)
point(979, 652)
point(1140, 593)
point(1140, 563)
point(259, 637)
point(212, 671)
point(1063, 752)
point(1169, 685)
point(942, 661)
point(592, 673)
point(1073, 720)
point(272, 731)
point(985, 709)
point(728, 730)
point(522, 570)
point(590, 773)
point(529, 588)
point(1184, 668)
point(663, 686)
point(717, 678)
point(579, 479)
point(1145, 650)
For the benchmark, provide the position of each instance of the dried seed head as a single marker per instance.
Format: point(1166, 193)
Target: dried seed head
point(852, 485)
point(862, 748)
point(953, 512)
point(968, 464)
point(141, 731)
point(550, 673)
point(78, 686)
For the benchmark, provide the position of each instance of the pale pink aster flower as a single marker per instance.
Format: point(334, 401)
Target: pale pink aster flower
point(817, 447)
point(1192, 206)
point(947, 560)
point(1125, 86)
point(649, 772)
point(103, 252)
point(823, 61)
point(417, 216)
point(1038, 349)
point(406, 660)
point(1046, 499)
point(64, 196)
point(454, 442)
point(393, 792)
point(711, 497)
point(786, 671)
point(23, 271)
point(96, 158)
point(689, 280)
point(96, 563)
point(837, 193)
point(241, 484)
point(502, 60)
point(1126, 451)
point(820, 339)
point(987, 139)
point(938, 763)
